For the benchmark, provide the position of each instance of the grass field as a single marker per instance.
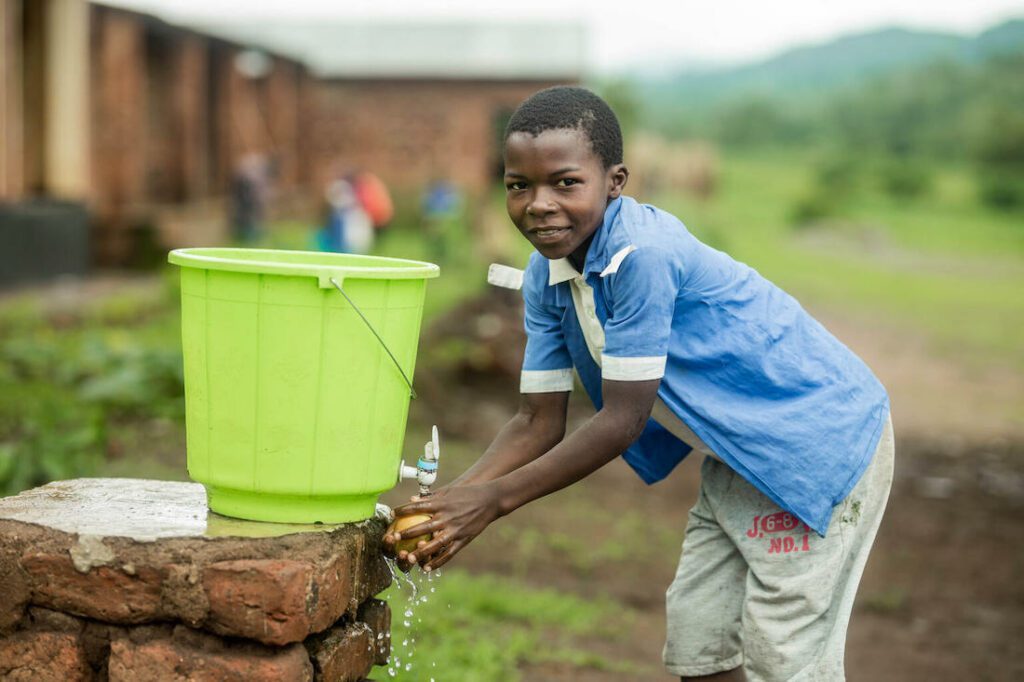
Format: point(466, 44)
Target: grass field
point(939, 263)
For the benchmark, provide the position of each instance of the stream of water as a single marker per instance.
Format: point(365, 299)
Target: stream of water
point(411, 585)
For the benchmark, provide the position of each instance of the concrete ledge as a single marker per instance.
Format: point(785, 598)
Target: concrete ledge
point(129, 552)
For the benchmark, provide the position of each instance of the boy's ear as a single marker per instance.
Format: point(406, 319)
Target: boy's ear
point(618, 175)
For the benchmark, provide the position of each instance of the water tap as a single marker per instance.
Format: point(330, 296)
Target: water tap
point(425, 471)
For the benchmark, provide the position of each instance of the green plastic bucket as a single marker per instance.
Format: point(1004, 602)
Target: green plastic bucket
point(295, 410)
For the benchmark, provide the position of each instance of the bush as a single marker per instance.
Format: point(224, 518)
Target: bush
point(905, 179)
point(1001, 190)
point(60, 393)
point(816, 205)
point(835, 176)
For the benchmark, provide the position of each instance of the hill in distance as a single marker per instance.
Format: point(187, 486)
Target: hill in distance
point(813, 70)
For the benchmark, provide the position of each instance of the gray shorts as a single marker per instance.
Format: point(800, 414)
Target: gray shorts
point(756, 588)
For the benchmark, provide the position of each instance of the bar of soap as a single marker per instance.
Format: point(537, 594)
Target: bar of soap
point(403, 522)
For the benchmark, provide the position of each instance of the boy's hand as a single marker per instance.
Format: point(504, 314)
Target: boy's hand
point(391, 539)
point(459, 515)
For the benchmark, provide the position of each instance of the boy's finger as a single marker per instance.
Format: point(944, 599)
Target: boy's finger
point(424, 528)
point(435, 546)
point(444, 558)
point(404, 564)
point(421, 507)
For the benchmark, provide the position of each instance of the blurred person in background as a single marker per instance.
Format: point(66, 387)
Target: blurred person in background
point(375, 199)
point(348, 228)
point(440, 211)
point(251, 188)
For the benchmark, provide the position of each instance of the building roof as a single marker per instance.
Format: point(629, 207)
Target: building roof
point(459, 50)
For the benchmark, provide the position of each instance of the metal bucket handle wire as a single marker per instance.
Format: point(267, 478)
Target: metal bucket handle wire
point(412, 391)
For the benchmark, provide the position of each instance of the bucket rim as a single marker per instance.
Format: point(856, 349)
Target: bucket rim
point(376, 267)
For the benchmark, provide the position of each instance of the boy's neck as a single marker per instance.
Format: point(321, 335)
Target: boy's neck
point(578, 258)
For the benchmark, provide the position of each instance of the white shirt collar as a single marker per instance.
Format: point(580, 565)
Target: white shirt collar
point(561, 270)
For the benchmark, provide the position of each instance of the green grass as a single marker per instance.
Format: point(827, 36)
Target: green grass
point(485, 627)
point(76, 384)
point(939, 263)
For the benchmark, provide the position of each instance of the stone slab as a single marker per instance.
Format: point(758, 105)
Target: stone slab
point(126, 551)
point(139, 509)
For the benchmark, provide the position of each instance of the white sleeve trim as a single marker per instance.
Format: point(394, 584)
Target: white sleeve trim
point(632, 369)
point(505, 277)
point(546, 381)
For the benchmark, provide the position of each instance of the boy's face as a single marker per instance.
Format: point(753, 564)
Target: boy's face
point(557, 189)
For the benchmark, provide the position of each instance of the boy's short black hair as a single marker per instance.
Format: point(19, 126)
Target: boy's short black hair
point(566, 107)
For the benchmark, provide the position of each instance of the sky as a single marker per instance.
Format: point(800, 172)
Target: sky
point(629, 33)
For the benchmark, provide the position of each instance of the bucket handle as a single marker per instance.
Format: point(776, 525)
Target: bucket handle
point(412, 391)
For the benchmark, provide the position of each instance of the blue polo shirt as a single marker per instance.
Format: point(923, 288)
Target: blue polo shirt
point(772, 393)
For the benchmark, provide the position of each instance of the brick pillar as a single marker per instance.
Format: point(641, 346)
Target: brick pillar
point(66, 118)
point(11, 161)
point(189, 94)
point(127, 579)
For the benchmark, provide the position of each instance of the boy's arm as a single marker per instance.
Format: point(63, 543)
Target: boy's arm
point(536, 428)
point(465, 510)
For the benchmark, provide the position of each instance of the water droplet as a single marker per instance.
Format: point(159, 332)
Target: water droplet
point(406, 623)
point(405, 642)
point(391, 671)
point(408, 613)
point(408, 667)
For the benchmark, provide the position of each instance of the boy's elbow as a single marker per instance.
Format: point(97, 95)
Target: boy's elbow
point(635, 427)
point(547, 426)
point(626, 425)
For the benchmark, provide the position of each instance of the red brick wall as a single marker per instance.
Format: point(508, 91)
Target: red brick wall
point(409, 132)
point(119, 113)
point(189, 102)
point(171, 116)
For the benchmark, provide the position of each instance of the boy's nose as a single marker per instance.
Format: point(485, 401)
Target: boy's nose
point(540, 205)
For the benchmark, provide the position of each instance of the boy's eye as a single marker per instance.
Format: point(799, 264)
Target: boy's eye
point(514, 186)
point(566, 182)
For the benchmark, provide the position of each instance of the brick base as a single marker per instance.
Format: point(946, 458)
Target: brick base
point(53, 646)
point(80, 601)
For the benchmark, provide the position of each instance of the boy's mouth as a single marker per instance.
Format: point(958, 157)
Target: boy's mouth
point(549, 233)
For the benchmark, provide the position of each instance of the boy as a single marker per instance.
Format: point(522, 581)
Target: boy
point(681, 348)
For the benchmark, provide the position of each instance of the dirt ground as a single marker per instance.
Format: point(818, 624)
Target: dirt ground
point(942, 596)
